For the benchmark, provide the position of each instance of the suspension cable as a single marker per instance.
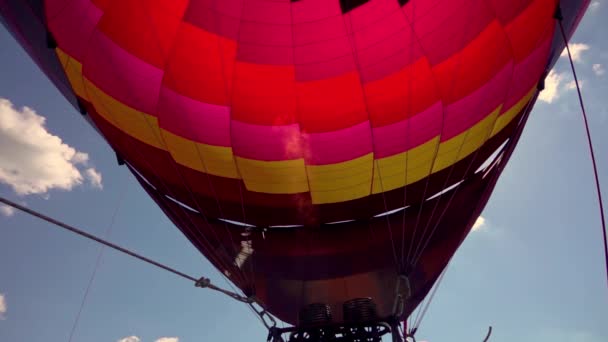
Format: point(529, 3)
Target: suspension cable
point(97, 264)
point(559, 17)
point(199, 282)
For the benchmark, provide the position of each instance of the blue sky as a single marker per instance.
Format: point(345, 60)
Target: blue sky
point(534, 270)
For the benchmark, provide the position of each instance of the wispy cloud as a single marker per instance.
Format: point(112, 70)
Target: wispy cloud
point(33, 160)
point(572, 85)
point(168, 339)
point(3, 308)
point(552, 87)
point(598, 69)
point(132, 338)
point(594, 6)
point(94, 178)
point(480, 224)
point(7, 211)
point(576, 50)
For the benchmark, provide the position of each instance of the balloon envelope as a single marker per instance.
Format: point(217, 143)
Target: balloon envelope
point(313, 150)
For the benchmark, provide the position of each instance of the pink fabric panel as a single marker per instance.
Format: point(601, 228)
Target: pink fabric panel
point(72, 24)
point(122, 75)
point(527, 73)
point(464, 113)
point(194, 120)
point(407, 134)
point(337, 146)
point(268, 143)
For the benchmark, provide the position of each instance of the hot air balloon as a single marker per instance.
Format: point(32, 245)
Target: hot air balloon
point(328, 156)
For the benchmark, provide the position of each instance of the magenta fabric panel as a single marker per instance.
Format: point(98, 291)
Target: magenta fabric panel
point(526, 74)
point(404, 135)
point(372, 13)
point(270, 143)
point(324, 59)
point(72, 25)
point(505, 11)
point(202, 122)
point(313, 10)
point(463, 114)
point(122, 75)
point(264, 11)
point(221, 17)
point(338, 146)
point(436, 30)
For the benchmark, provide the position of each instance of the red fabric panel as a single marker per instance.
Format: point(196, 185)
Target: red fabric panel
point(401, 95)
point(264, 94)
point(331, 104)
point(475, 65)
point(144, 28)
point(202, 76)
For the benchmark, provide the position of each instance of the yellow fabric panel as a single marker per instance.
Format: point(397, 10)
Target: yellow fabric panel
point(214, 160)
point(505, 118)
point(273, 177)
point(393, 169)
point(460, 146)
point(139, 125)
point(73, 70)
point(341, 181)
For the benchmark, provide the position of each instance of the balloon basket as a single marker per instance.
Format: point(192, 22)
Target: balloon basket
point(370, 331)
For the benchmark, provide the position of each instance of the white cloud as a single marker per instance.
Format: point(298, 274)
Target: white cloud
point(168, 339)
point(94, 177)
point(479, 224)
point(594, 5)
point(130, 339)
point(6, 210)
point(34, 161)
point(576, 49)
point(552, 87)
point(598, 69)
point(572, 85)
point(3, 308)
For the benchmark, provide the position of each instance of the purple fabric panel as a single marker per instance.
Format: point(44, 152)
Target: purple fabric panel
point(337, 146)
point(268, 143)
point(407, 134)
point(122, 75)
point(194, 120)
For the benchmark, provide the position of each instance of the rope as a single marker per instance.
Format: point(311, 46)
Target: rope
point(97, 264)
point(584, 113)
point(199, 282)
